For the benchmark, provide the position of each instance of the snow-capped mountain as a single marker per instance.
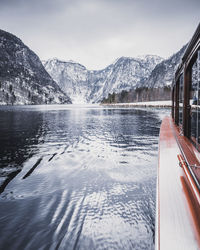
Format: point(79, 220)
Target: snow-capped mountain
point(23, 78)
point(71, 77)
point(128, 72)
point(162, 75)
point(157, 86)
point(85, 86)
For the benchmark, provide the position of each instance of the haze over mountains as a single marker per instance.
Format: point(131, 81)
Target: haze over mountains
point(24, 80)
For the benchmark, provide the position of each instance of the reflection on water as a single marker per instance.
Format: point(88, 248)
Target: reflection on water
point(78, 177)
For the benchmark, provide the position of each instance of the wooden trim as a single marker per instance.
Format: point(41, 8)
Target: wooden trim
point(193, 208)
point(189, 153)
point(190, 178)
point(177, 205)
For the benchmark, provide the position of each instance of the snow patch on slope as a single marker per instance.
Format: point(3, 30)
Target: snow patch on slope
point(91, 86)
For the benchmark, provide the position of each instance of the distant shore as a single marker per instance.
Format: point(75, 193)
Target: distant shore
point(158, 104)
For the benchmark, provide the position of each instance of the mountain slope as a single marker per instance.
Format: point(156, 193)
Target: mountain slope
point(162, 75)
point(127, 72)
point(23, 78)
point(156, 87)
point(71, 77)
point(84, 85)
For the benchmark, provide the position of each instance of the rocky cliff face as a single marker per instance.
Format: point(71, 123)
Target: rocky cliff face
point(162, 75)
point(156, 87)
point(23, 78)
point(71, 77)
point(85, 86)
point(125, 74)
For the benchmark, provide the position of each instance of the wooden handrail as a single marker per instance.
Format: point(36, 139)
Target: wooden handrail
point(193, 183)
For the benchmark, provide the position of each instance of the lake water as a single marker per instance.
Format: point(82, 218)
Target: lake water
point(78, 177)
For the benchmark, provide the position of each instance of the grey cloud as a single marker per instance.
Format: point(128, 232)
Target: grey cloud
point(95, 32)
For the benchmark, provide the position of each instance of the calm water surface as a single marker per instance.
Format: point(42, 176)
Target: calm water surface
point(76, 177)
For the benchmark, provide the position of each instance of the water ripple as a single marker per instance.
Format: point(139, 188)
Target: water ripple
point(82, 178)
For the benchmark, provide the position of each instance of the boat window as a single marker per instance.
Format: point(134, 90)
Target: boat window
point(173, 102)
point(195, 101)
point(181, 100)
point(176, 97)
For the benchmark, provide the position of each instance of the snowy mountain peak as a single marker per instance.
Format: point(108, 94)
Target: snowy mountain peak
point(147, 57)
point(124, 73)
point(55, 62)
point(93, 85)
point(163, 73)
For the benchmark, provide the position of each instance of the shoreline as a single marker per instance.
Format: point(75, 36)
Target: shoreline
point(157, 104)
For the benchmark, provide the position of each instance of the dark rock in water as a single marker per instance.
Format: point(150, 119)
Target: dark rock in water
point(23, 78)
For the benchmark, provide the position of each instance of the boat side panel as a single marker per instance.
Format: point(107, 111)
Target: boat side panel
point(174, 224)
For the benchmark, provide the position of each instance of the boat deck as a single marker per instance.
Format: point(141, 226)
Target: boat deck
point(176, 225)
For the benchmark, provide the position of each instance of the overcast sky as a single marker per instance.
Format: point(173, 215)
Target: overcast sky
point(96, 32)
